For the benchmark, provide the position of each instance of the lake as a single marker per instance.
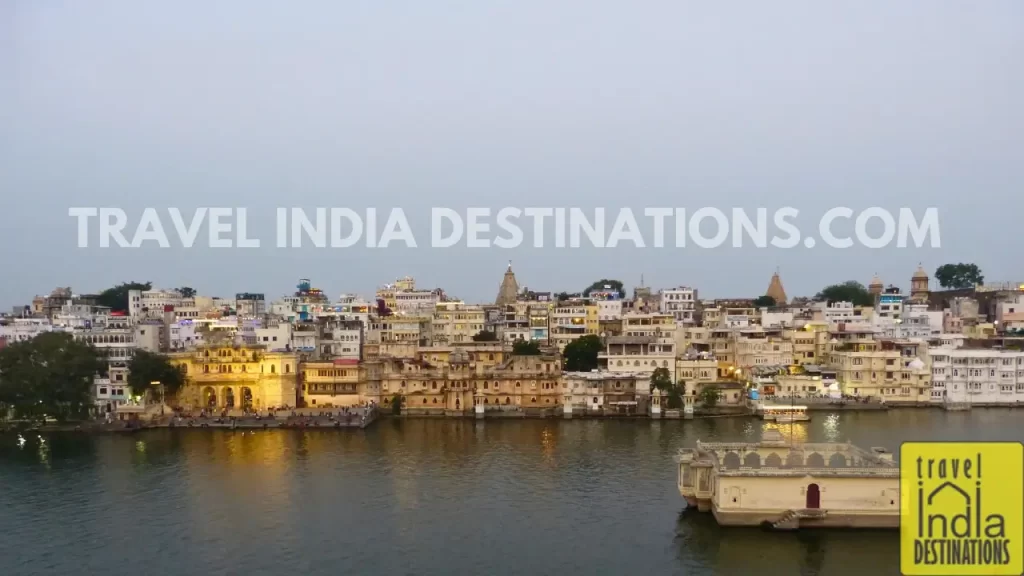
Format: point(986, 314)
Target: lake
point(422, 496)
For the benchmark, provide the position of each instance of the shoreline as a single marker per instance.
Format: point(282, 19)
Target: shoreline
point(319, 423)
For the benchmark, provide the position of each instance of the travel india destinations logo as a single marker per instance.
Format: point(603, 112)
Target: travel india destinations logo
point(962, 508)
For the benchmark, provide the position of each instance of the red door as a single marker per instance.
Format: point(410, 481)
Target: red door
point(813, 497)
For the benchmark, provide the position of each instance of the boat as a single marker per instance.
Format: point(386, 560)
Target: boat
point(785, 414)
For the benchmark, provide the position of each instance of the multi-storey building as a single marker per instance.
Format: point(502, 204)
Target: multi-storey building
point(341, 338)
point(331, 384)
point(603, 392)
point(976, 376)
point(896, 371)
point(568, 322)
point(237, 378)
point(456, 322)
point(680, 303)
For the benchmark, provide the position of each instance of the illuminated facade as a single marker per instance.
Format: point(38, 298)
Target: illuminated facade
point(237, 378)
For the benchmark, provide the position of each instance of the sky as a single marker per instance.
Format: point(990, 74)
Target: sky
point(524, 103)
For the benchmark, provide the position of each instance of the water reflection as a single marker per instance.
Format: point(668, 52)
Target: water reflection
point(792, 432)
point(424, 496)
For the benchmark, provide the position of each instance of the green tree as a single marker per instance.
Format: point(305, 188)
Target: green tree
point(960, 275)
point(147, 367)
point(581, 354)
point(662, 380)
point(524, 348)
point(50, 375)
point(849, 291)
point(600, 285)
point(708, 396)
point(485, 336)
point(116, 298)
point(187, 292)
point(396, 404)
point(765, 301)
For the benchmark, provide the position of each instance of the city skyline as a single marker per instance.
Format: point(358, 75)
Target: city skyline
point(369, 105)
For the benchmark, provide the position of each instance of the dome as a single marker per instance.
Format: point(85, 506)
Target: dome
point(876, 281)
point(916, 364)
point(920, 274)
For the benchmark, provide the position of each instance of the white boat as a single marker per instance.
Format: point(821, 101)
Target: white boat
point(785, 414)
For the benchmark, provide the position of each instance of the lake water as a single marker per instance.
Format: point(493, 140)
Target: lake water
point(422, 497)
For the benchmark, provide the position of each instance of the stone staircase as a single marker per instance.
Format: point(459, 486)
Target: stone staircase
point(790, 519)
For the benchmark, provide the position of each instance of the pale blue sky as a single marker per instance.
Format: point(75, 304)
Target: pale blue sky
point(525, 103)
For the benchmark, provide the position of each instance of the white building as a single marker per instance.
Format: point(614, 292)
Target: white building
point(775, 318)
point(977, 376)
point(342, 338)
point(916, 321)
point(184, 336)
point(22, 329)
point(680, 302)
point(276, 335)
point(609, 309)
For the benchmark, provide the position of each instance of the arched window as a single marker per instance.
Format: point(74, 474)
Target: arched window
point(837, 461)
point(273, 369)
point(773, 461)
point(752, 460)
point(206, 368)
point(731, 460)
point(816, 460)
point(287, 368)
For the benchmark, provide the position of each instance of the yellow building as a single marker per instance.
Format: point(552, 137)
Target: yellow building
point(334, 384)
point(568, 322)
point(460, 378)
point(237, 378)
point(593, 321)
point(456, 322)
point(896, 371)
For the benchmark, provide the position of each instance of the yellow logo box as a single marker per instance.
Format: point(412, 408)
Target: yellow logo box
point(962, 508)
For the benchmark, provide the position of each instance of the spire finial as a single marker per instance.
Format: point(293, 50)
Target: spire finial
point(509, 265)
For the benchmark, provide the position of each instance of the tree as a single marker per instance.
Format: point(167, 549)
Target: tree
point(708, 396)
point(960, 275)
point(485, 336)
point(187, 292)
point(849, 291)
point(147, 367)
point(600, 285)
point(765, 301)
point(116, 298)
point(396, 404)
point(524, 348)
point(662, 380)
point(50, 375)
point(581, 354)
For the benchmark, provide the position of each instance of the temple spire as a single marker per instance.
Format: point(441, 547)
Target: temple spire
point(509, 289)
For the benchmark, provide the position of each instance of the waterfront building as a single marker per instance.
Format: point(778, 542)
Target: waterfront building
point(237, 377)
point(331, 384)
point(464, 377)
point(895, 371)
point(788, 485)
point(603, 392)
point(976, 376)
point(759, 347)
point(679, 302)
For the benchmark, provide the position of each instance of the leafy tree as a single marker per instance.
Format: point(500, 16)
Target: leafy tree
point(524, 348)
point(50, 375)
point(116, 298)
point(708, 396)
point(396, 404)
point(581, 354)
point(960, 275)
point(562, 296)
point(485, 336)
point(187, 292)
point(600, 285)
point(849, 291)
point(765, 301)
point(662, 380)
point(147, 367)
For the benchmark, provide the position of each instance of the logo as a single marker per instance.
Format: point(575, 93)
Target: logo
point(962, 508)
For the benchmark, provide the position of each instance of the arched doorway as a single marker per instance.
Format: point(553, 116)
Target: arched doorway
point(229, 398)
point(456, 403)
point(813, 497)
point(209, 397)
point(246, 398)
